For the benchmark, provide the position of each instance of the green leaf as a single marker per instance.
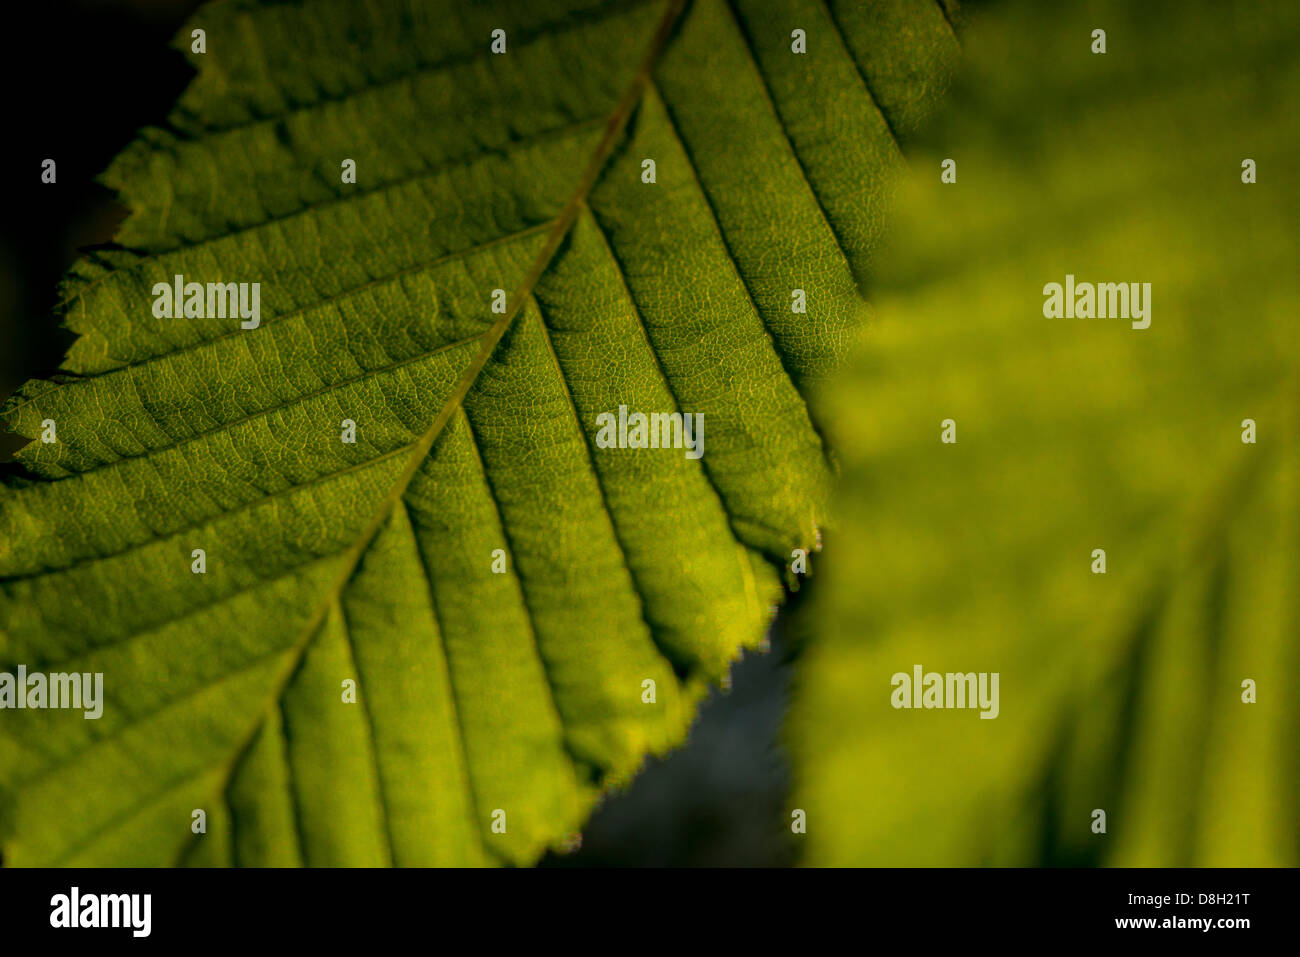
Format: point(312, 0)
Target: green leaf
point(1119, 691)
point(476, 432)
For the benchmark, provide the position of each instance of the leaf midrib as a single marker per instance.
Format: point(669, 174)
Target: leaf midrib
point(562, 224)
point(558, 229)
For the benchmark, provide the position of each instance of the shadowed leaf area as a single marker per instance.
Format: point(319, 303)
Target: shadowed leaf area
point(1120, 691)
point(511, 697)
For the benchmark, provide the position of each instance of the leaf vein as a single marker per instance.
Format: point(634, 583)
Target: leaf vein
point(838, 31)
point(590, 457)
point(457, 725)
point(289, 314)
point(376, 763)
point(731, 256)
point(568, 131)
point(785, 132)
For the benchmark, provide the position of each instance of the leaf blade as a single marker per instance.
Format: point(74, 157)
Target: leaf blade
point(620, 568)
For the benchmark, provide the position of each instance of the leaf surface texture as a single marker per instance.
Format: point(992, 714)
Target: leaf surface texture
point(372, 562)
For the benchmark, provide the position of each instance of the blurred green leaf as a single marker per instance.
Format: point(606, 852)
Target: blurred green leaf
point(372, 561)
point(1121, 691)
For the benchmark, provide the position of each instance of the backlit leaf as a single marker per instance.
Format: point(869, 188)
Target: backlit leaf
point(372, 562)
point(1123, 691)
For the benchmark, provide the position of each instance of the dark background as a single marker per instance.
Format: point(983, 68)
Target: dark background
point(81, 76)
